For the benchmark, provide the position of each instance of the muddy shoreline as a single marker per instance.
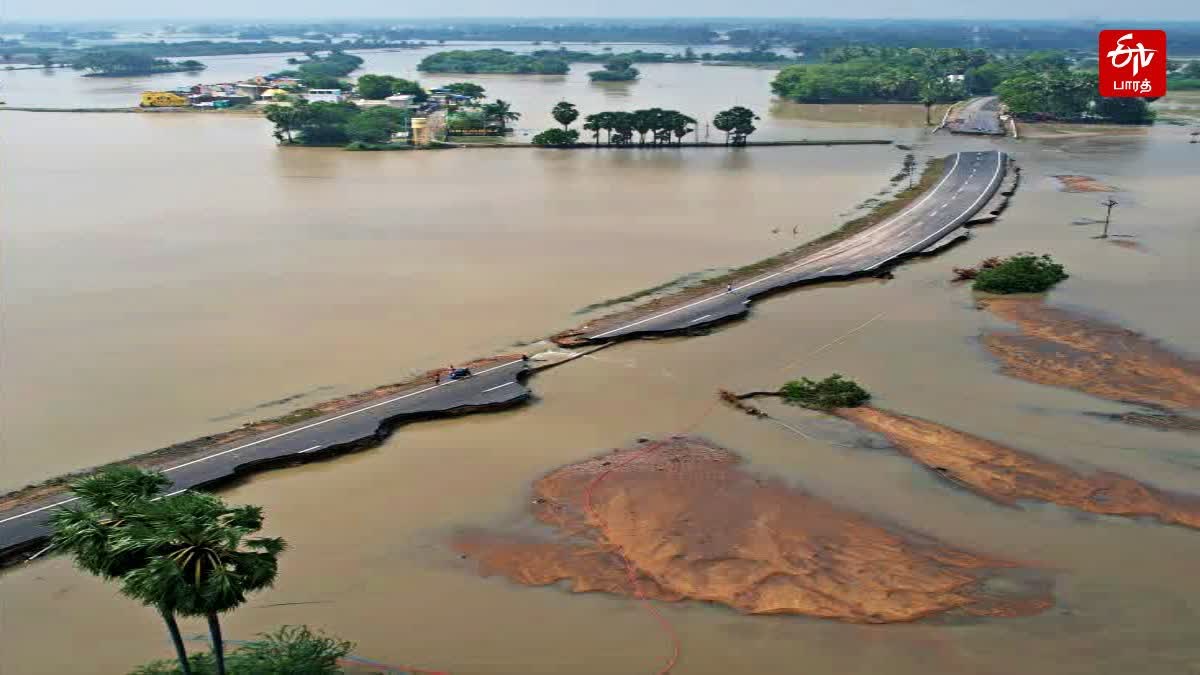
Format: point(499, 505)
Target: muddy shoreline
point(679, 519)
point(1063, 348)
point(1008, 476)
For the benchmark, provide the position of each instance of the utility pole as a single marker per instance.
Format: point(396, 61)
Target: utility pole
point(1110, 203)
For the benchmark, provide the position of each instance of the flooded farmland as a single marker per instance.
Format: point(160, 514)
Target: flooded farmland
point(165, 276)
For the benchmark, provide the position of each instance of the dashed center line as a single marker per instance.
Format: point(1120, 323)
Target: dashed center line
point(499, 386)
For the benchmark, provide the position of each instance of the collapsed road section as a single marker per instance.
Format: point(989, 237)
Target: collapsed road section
point(969, 182)
point(495, 386)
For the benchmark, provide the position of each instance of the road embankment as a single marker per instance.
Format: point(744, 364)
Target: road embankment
point(920, 220)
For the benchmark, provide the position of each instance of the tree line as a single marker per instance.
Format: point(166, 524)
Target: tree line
point(653, 126)
point(114, 62)
point(491, 61)
point(324, 72)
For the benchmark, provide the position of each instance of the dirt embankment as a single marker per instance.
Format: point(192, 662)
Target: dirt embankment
point(1061, 348)
point(1074, 183)
point(683, 520)
point(1008, 476)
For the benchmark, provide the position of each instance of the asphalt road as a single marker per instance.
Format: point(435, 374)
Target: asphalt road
point(490, 387)
point(970, 180)
point(978, 116)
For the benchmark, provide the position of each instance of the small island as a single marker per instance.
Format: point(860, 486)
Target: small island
point(118, 63)
point(618, 69)
point(492, 61)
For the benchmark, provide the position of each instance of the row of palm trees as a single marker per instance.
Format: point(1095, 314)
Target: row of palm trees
point(183, 554)
point(653, 126)
point(660, 124)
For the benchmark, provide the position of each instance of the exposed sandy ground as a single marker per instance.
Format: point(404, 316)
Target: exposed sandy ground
point(683, 520)
point(1061, 348)
point(1009, 476)
point(1073, 183)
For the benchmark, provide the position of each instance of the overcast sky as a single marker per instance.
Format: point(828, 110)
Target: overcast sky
point(284, 10)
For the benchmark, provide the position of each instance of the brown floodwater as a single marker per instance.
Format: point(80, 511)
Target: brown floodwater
point(164, 276)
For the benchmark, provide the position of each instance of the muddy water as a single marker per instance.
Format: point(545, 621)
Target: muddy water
point(369, 532)
point(183, 270)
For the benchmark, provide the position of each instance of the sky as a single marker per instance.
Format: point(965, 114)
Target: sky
point(284, 10)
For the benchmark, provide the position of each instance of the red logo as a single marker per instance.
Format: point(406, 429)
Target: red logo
point(1133, 63)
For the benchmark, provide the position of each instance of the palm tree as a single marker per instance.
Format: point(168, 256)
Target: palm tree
point(593, 123)
point(679, 125)
point(203, 559)
point(111, 501)
point(564, 113)
point(501, 111)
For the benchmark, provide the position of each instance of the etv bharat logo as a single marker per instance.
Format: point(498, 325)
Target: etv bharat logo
point(1133, 63)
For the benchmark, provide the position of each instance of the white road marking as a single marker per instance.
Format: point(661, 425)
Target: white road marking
point(315, 447)
point(499, 386)
point(280, 435)
point(700, 319)
point(802, 263)
point(999, 165)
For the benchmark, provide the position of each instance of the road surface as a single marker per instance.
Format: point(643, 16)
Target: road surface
point(970, 180)
point(977, 116)
point(494, 386)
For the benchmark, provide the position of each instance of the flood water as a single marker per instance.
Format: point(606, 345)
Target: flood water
point(164, 275)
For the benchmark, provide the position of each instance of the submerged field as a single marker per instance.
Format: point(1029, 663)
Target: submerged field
point(196, 286)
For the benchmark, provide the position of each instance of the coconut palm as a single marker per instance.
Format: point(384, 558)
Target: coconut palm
point(501, 111)
point(110, 502)
point(203, 559)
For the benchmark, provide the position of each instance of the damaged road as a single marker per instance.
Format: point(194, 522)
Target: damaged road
point(931, 223)
point(494, 387)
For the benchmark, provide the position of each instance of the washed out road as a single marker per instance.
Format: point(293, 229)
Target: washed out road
point(493, 386)
point(968, 183)
point(978, 116)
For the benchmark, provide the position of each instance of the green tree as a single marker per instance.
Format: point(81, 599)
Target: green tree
point(501, 112)
point(827, 394)
point(203, 559)
point(377, 87)
point(469, 89)
point(287, 119)
point(1021, 273)
point(1123, 110)
point(376, 125)
point(92, 532)
point(556, 138)
point(564, 113)
point(680, 125)
point(594, 124)
point(737, 123)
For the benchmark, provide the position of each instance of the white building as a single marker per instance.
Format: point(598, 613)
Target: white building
point(324, 95)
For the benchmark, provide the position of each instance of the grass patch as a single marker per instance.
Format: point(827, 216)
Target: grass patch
point(1021, 273)
point(680, 281)
point(827, 394)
